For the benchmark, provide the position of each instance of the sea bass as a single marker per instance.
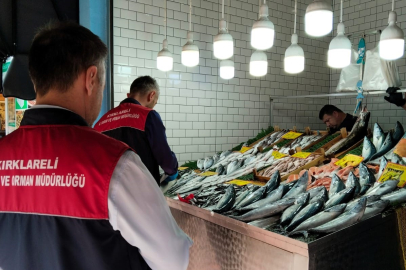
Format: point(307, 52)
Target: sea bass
point(358, 131)
point(378, 136)
point(368, 149)
point(347, 219)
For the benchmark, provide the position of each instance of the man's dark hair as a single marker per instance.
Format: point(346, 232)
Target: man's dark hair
point(60, 52)
point(328, 109)
point(142, 85)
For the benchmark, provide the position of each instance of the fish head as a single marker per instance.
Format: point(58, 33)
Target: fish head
point(303, 198)
point(363, 170)
point(391, 183)
point(337, 208)
point(220, 169)
point(379, 204)
point(360, 206)
point(304, 178)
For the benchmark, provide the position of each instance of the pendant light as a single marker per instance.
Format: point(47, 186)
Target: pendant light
point(318, 19)
point(190, 52)
point(263, 30)
point(227, 69)
point(294, 55)
point(164, 60)
point(339, 51)
point(258, 64)
point(223, 45)
point(392, 43)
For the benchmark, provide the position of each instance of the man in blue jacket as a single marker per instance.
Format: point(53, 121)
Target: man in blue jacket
point(136, 123)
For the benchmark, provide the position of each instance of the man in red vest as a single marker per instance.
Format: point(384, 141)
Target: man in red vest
point(70, 197)
point(136, 123)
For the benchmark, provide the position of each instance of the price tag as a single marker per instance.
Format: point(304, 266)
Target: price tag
point(244, 182)
point(291, 135)
point(245, 149)
point(278, 155)
point(349, 160)
point(394, 171)
point(182, 168)
point(301, 155)
point(208, 173)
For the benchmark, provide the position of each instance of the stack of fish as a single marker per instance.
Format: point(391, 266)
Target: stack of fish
point(269, 140)
point(301, 142)
point(287, 164)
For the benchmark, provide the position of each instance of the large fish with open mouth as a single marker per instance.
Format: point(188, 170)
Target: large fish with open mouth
point(378, 136)
point(343, 221)
point(375, 208)
point(368, 149)
point(358, 131)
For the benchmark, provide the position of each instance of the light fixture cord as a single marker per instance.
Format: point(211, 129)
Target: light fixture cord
point(341, 12)
point(294, 27)
point(190, 16)
point(222, 10)
point(393, 5)
point(165, 19)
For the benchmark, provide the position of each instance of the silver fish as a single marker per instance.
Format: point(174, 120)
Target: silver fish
point(299, 187)
point(396, 197)
point(273, 183)
point(292, 210)
point(220, 169)
point(353, 181)
point(367, 178)
point(265, 223)
point(314, 191)
point(253, 197)
point(370, 199)
point(347, 219)
point(241, 197)
point(398, 133)
point(343, 196)
point(200, 164)
point(387, 187)
point(374, 208)
point(368, 149)
point(307, 212)
point(267, 210)
point(387, 145)
point(232, 166)
point(208, 162)
point(322, 195)
point(216, 158)
point(382, 166)
point(271, 197)
point(336, 185)
point(227, 201)
point(225, 154)
point(321, 218)
point(378, 136)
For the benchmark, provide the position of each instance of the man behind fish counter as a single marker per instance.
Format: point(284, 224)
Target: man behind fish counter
point(335, 119)
point(136, 123)
point(70, 197)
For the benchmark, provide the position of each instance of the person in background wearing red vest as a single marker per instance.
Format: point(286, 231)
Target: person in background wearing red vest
point(70, 197)
point(136, 123)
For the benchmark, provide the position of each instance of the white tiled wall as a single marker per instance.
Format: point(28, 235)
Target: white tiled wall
point(202, 112)
point(361, 16)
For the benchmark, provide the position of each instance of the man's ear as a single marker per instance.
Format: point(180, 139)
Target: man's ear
point(91, 79)
point(151, 96)
point(128, 95)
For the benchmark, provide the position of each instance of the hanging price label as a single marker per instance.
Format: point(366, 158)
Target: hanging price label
point(349, 160)
point(245, 149)
point(182, 168)
point(244, 182)
point(394, 172)
point(208, 173)
point(278, 155)
point(291, 135)
point(301, 155)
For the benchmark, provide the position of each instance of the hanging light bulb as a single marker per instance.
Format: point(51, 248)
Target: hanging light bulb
point(339, 51)
point(190, 52)
point(263, 30)
point(258, 64)
point(227, 69)
point(392, 42)
point(223, 45)
point(318, 19)
point(294, 54)
point(164, 60)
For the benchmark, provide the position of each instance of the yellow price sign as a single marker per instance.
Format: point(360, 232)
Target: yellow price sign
point(244, 182)
point(394, 171)
point(291, 135)
point(301, 155)
point(182, 168)
point(278, 155)
point(208, 173)
point(349, 160)
point(245, 149)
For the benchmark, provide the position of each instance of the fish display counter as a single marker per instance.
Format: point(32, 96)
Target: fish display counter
point(345, 194)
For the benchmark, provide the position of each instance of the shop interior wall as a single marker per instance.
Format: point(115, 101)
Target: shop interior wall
point(361, 17)
point(202, 112)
